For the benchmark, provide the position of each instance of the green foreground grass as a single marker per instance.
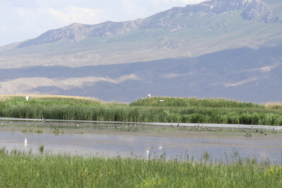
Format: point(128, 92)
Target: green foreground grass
point(23, 169)
point(177, 110)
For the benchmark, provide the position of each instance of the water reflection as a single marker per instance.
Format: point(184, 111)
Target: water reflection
point(25, 142)
point(142, 142)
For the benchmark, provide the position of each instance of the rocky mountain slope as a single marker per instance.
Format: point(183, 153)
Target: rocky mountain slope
point(218, 48)
point(174, 19)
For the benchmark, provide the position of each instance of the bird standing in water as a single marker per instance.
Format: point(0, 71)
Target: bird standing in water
point(43, 119)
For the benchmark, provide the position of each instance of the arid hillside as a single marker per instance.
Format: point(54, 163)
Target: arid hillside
point(218, 48)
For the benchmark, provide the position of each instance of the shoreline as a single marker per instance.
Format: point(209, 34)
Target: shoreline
point(208, 125)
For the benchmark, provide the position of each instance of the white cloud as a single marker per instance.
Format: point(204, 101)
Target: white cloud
point(129, 6)
point(3, 27)
point(178, 1)
point(191, 1)
point(74, 14)
point(68, 15)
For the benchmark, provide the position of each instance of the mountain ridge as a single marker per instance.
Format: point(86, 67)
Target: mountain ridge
point(251, 10)
point(229, 49)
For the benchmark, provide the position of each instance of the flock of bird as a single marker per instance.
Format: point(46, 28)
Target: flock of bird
point(204, 127)
point(197, 127)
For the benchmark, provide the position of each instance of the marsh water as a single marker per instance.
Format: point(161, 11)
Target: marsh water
point(143, 141)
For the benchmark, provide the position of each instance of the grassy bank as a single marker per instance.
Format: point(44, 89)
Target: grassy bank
point(18, 169)
point(181, 110)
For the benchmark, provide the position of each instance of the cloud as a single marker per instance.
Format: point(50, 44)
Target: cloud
point(75, 14)
point(65, 16)
point(3, 27)
point(178, 1)
point(129, 6)
point(191, 1)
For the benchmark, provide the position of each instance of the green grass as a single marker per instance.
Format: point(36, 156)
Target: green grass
point(19, 169)
point(41, 149)
point(56, 131)
point(40, 131)
point(180, 110)
point(26, 130)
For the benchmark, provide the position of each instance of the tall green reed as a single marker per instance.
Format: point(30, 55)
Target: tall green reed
point(146, 114)
point(146, 110)
point(192, 102)
point(22, 169)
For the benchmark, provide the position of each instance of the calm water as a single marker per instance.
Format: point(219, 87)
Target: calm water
point(129, 140)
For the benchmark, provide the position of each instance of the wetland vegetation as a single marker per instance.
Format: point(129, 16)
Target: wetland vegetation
point(23, 169)
point(42, 168)
point(156, 109)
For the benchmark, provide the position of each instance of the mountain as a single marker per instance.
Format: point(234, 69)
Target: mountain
point(173, 19)
point(211, 49)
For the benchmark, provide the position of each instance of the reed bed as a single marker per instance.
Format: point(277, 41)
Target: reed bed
point(202, 103)
point(56, 100)
point(192, 102)
point(147, 114)
point(177, 110)
point(23, 169)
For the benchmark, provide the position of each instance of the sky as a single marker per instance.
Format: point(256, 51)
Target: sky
point(25, 19)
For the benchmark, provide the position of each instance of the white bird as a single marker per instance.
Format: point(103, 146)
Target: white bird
point(147, 153)
point(149, 95)
point(25, 141)
point(27, 97)
point(161, 100)
point(161, 147)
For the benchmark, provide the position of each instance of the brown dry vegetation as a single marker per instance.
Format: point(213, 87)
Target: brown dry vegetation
point(4, 97)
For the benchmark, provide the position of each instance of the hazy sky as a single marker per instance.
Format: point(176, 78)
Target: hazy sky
point(24, 19)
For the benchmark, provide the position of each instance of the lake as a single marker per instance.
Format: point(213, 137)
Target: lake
point(143, 141)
